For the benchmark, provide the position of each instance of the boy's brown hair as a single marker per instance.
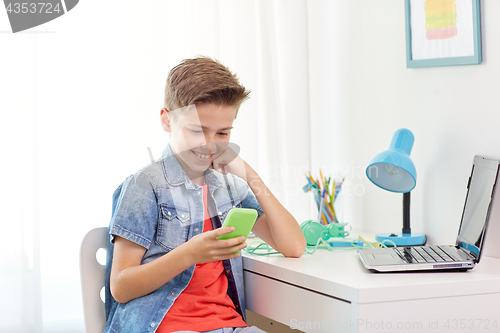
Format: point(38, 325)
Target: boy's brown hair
point(203, 80)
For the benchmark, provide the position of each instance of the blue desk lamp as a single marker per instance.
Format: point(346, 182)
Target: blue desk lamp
point(393, 170)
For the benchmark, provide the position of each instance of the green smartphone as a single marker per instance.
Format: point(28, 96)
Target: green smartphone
point(242, 219)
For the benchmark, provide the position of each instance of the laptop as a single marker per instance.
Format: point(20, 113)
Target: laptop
point(466, 252)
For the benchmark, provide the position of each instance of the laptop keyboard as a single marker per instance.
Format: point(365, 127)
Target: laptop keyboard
point(423, 254)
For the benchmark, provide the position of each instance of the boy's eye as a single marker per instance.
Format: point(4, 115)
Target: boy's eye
point(223, 133)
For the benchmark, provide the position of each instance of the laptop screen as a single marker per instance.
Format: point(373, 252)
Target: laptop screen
point(476, 210)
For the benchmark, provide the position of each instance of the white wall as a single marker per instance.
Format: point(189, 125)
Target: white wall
point(361, 92)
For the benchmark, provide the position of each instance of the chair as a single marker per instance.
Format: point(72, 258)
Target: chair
point(92, 278)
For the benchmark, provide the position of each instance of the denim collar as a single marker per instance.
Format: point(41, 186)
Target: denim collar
point(175, 174)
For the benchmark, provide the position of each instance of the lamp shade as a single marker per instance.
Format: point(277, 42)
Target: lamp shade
point(393, 170)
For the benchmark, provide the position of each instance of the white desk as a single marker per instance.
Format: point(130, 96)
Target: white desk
point(333, 292)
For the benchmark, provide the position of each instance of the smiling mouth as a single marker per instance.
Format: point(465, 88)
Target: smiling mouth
point(202, 156)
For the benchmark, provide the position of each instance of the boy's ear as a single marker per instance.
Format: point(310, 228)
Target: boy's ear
point(165, 120)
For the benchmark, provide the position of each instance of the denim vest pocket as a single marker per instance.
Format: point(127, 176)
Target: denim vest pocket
point(173, 226)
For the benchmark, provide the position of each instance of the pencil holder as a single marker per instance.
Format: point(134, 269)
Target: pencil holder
point(325, 192)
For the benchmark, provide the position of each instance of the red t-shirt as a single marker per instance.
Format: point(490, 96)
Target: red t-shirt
point(204, 305)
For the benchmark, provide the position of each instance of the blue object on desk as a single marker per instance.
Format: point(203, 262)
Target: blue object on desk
point(393, 170)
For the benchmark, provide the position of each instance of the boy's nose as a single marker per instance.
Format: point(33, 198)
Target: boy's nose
point(206, 145)
point(208, 139)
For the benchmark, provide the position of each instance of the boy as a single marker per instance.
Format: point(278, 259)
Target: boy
point(169, 272)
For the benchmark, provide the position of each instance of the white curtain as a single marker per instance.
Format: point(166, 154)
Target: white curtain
point(20, 289)
point(80, 104)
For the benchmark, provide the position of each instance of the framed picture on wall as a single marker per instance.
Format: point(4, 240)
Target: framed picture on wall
point(442, 33)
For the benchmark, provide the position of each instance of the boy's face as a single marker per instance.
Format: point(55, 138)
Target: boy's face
point(198, 134)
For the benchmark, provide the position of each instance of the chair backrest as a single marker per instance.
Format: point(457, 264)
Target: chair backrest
point(92, 277)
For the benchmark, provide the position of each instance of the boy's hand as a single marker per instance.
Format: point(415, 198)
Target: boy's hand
point(205, 247)
point(229, 162)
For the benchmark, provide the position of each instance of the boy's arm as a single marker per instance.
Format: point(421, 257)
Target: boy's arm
point(129, 279)
point(276, 226)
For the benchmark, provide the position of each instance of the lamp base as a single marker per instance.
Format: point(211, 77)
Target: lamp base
point(401, 239)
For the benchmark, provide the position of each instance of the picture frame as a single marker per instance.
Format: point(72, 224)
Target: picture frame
point(453, 41)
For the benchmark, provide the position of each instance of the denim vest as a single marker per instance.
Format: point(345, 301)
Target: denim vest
point(160, 208)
